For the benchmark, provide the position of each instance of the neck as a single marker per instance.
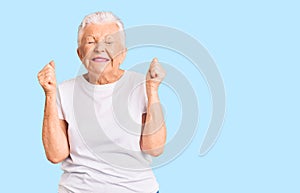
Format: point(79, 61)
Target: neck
point(104, 77)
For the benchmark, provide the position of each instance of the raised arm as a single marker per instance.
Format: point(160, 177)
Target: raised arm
point(54, 131)
point(154, 131)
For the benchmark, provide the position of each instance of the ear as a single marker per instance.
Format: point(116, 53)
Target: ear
point(79, 54)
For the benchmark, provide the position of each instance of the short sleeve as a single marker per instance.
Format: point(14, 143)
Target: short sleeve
point(140, 94)
point(137, 98)
point(144, 98)
point(59, 106)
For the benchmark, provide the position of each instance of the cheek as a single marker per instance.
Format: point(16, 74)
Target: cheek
point(115, 50)
point(110, 50)
point(85, 51)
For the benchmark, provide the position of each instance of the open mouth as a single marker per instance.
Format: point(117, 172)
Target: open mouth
point(100, 59)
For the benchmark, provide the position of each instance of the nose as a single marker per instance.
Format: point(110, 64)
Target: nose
point(100, 47)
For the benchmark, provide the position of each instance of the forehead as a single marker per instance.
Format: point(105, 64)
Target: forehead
point(100, 30)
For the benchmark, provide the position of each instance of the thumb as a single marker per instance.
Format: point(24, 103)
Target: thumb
point(155, 60)
point(52, 64)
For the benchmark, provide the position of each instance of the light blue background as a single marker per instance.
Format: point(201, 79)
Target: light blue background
point(255, 45)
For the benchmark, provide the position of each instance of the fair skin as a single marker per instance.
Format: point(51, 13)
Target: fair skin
point(101, 50)
point(54, 132)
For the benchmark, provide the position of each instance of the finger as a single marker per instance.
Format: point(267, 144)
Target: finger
point(48, 70)
point(157, 76)
point(49, 79)
point(151, 70)
point(50, 74)
point(154, 61)
point(156, 67)
point(46, 80)
point(153, 73)
point(48, 66)
point(52, 64)
point(159, 71)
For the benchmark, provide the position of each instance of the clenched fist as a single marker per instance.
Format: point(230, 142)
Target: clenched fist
point(47, 78)
point(154, 76)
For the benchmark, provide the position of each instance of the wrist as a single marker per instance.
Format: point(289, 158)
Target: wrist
point(50, 95)
point(153, 98)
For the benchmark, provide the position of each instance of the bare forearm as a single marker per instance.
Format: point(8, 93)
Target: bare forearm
point(154, 132)
point(54, 133)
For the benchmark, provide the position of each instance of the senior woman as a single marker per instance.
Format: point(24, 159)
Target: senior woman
point(103, 126)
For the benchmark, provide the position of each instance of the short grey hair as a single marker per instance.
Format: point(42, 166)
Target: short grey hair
point(100, 18)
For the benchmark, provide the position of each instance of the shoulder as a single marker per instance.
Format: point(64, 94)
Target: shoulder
point(68, 83)
point(67, 87)
point(137, 82)
point(135, 76)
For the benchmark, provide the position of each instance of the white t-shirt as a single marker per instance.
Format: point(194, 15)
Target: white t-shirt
point(104, 130)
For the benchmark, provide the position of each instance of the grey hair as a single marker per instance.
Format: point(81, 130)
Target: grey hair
point(100, 18)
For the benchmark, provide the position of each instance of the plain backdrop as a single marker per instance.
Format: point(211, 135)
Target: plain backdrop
point(255, 45)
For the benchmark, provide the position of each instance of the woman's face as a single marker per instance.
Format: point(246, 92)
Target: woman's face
point(101, 45)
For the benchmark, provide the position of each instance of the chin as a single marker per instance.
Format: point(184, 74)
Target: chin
point(96, 67)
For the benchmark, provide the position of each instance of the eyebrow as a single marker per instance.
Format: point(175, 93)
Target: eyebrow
point(108, 36)
point(89, 36)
